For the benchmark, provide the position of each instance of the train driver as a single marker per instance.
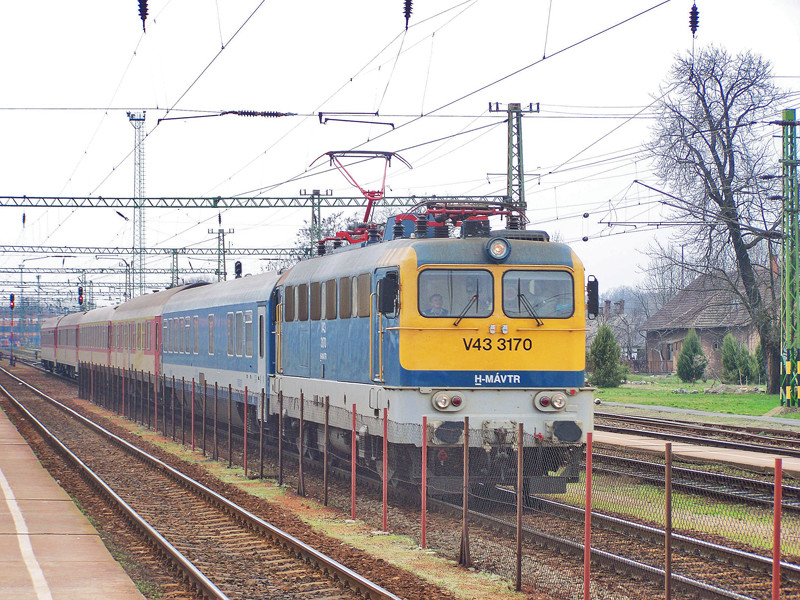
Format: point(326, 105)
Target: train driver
point(435, 307)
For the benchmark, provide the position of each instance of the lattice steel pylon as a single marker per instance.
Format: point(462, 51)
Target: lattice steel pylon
point(139, 243)
point(790, 284)
point(515, 171)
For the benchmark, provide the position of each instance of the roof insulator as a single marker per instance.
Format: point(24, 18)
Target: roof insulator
point(407, 10)
point(143, 12)
point(694, 19)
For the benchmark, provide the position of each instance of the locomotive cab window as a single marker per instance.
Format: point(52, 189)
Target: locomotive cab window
point(288, 304)
point(538, 294)
point(455, 293)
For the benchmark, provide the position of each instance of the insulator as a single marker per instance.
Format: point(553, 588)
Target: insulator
point(421, 227)
point(372, 233)
point(320, 248)
point(262, 113)
point(143, 12)
point(407, 11)
point(694, 19)
point(398, 229)
point(513, 222)
point(441, 231)
point(337, 243)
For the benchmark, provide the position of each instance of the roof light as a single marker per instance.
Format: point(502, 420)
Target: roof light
point(498, 249)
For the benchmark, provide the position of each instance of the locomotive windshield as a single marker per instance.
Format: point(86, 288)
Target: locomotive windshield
point(455, 292)
point(538, 294)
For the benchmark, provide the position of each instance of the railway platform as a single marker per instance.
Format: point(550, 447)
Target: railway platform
point(759, 461)
point(48, 550)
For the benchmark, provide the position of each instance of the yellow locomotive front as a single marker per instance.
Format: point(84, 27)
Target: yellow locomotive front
point(492, 329)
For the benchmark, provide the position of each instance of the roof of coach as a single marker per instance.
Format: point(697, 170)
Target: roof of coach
point(252, 288)
point(71, 319)
point(51, 322)
point(98, 315)
point(149, 305)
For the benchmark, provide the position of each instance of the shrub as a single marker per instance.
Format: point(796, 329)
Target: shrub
point(604, 359)
point(736, 361)
point(691, 361)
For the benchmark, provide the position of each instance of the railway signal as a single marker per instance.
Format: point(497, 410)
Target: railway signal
point(80, 295)
point(11, 301)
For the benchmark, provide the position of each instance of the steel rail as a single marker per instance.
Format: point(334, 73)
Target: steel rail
point(328, 565)
point(189, 570)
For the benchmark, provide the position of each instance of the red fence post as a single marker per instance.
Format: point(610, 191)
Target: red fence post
point(668, 521)
point(301, 483)
point(385, 468)
point(464, 558)
point(776, 531)
point(244, 458)
point(587, 531)
point(520, 487)
point(191, 414)
point(424, 494)
point(353, 468)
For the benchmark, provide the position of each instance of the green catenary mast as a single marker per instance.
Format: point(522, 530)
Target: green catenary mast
point(790, 281)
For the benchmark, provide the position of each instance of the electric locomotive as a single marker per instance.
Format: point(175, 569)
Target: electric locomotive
point(489, 325)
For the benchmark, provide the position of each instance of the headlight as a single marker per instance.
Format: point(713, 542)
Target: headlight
point(498, 249)
point(559, 401)
point(441, 401)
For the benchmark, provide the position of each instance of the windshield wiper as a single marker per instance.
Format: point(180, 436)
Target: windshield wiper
point(466, 308)
point(524, 302)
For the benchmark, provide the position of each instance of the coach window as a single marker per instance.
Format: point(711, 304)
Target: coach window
point(211, 334)
point(187, 339)
point(196, 333)
point(345, 291)
point(165, 335)
point(364, 291)
point(538, 294)
point(261, 336)
point(354, 299)
point(455, 293)
point(302, 302)
point(230, 334)
point(181, 333)
point(149, 326)
point(316, 301)
point(248, 333)
point(239, 332)
point(330, 299)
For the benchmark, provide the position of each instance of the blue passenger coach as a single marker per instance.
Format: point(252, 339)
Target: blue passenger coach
point(220, 333)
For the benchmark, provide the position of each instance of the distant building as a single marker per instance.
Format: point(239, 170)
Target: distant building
point(710, 307)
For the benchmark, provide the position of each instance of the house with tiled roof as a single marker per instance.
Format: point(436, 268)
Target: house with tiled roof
point(710, 307)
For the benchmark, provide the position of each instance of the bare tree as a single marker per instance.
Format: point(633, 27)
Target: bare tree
point(711, 144)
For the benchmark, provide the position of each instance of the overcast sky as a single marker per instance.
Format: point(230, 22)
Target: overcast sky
point(71, 70)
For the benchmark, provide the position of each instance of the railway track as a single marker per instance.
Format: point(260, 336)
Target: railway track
point(785, 443)
point(718, 485)
point(222, 549)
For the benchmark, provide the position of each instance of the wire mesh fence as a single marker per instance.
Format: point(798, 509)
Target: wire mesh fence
point(436, 481)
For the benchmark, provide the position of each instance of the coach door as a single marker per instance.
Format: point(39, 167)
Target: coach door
point(261, 333)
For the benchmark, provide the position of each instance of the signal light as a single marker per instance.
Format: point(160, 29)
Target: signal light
point(11, 301)
point(80, 295)
point(237, 269)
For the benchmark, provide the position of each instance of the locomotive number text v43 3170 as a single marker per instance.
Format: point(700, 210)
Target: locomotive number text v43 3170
point(502, 344)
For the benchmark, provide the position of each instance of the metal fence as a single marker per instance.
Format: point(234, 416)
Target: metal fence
point(635, 503)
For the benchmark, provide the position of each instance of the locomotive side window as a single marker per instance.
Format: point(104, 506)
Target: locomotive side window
point(330, 299)
point(364, 291)
point(149, 325)
point(230, 334)
point(455, 293)
point(248, 333)
point(302, 302)
point(354, 299)
point(345, 290)
point(538, 294)
point(316, 301)
point(211, 335)
point(288, 304)
point(196, 333)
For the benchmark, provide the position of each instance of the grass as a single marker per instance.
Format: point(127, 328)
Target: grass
point(661, 392)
